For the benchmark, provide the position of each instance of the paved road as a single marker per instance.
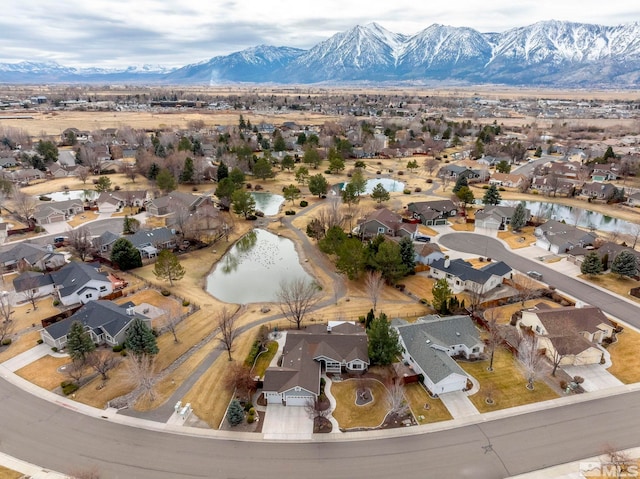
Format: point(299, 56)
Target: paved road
point(490, 247)
point(60, 439)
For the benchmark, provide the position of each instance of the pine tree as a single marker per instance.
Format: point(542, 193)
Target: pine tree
point(188, 171)
point(139, 339)
point(518, 220)
point(235, 413)
point(408, 254)
point(591, 265)
point(168, 266)
point(441, 293)
point(125, 255)
point(380, 194)
point(223, 171)
point(79, 342)
point(492, 196)
point(384, 346)
point(625, 264)
point(460, 182)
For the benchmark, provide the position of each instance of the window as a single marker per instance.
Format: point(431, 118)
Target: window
point(475, 350)
point(381, 230)
point(356, 366)
point(89, 295)
point(103, 288)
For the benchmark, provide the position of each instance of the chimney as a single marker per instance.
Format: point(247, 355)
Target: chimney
point(130, 311)
point(447, 262)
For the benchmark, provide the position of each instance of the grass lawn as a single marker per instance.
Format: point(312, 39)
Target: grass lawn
point(624, 357)
point(19, 344)
point(504, 313)
point(82, 218)
point(264, 359)
point(518, 240)
point(507, 382)
point(463, 227)
point(6, 473)
point(613, 282)
point(348, 414)
point(44, 372)
point(417, 398)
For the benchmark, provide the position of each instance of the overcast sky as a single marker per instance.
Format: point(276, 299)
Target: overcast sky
point(116, 33)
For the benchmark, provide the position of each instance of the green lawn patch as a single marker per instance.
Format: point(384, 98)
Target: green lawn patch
point(264, 359)
point(424, 408)
point(507, 383)
point(348, 414)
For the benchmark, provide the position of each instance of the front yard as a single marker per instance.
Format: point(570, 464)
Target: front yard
point(614, 283)
point(424, 408)
point(625, 358)
point(348, 414)
point(507, 383)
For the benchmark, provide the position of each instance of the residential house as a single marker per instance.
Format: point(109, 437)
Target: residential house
point(606, 252)
point(560, 237)
point(107, 203)
point(491, 161)
point(509, 180)
point(81, 283)
point(598, 191)
point(165, 205)
point(553, 185)
point(339, 346)
point(634, 199)
point(455, 171)
point(461, 275)
point(386, 222)
point(106, 322)
point(430, 344)
point(32, 284)
point(497, 216)
point(23, 176)
point(104, 242)
point(433, 212)
point(66, 159)
point(56, 211)
point(569, 334)
point(57, 171)
point(111, 202)
point(427, 253)
point(24, 256)
point(150, 242)
point(8, 162)
point(605, 172)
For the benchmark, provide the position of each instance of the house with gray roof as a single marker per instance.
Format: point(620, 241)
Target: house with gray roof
point(433, 212)
point(559, 237)
point(430, 344)
point(150, 242)
point(81, 283)
point(29, 256)
point(165, 205)
point(32, 284)
point(496, 216)
point(461, 275)
point(56, 211)
point(427, 253)
point(339, 346)
point(105, 321)
point(385, 222)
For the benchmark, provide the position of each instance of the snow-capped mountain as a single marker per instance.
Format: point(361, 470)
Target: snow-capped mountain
point(550, 53)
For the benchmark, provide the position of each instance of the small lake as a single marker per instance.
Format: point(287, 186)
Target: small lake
point(72, 195)
point(253, 268)
point(574, 216)
point(388, 184)
point(268, 203)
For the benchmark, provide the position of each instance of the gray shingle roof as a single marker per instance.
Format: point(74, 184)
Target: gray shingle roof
point(30, 253)
point(74, 276)
point(466, 272)
point(31, 280)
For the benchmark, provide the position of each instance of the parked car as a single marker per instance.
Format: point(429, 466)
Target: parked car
point(535, 275)
point(423, 239)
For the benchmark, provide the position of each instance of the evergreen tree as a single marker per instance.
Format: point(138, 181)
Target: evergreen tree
point(350, 258)
point(591, 265)
point(291, 193)
point(369, 319)
point(243, 203)
point(302, 175)
point(379, 194)
point(168, 266)
point(538, 152)
point(465, 195)
point(263, 169)
point(625, 264)
point(235, 413)
point(441, 293)
point(103, 184)
point(358, 182)
point(125, 255)
point(223, 171)
point(139, 339)
point(492, 196)
point(318, 184)
point(503, 167)
point(408, 254)
point(224, 190)
point(79, 342)
point(287, 163)
point(188, 171)
point(608, 154)
point(460, 182)
point(311, 157)
point(388, 260)
point(384, 346)
point(237, 176)
point(518, 220)
point(153, 171)
point(184, 144)
point(165, 180)
point(279, 144)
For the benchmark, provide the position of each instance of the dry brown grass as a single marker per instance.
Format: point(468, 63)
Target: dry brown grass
point(613, 282)
point(82, 218)
point(625, 358)
point(44, 372)
point(19, 344)
point(348, 414)
point(417, 397)
point(518, 240)
point(58, 184)
point(463, 227)
point(6, 473)
point(504, 313)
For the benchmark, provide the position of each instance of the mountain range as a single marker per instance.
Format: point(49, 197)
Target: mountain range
point(550, 53)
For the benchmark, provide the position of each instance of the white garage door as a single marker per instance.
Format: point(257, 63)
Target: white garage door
point(298, 400)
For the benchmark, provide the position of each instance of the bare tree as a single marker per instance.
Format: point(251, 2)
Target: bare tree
point(171, 323)
point(89, 159)
point(622, 462)
point(80, 241)
point(131, 172)
point(76, 370)
point(527, 288)
point(25, 204)
point(31, 290)
point(430, 165)
point(141, 372)
point(226, 322)
point(83, 174)
point(102, 361)
point(296, 297)
point(634, 232)
point(6, 310)
point(317, 408)
point(477, 296)
point(183, 219)
point(494, 335)
point(395, 400)
point(530, 357)
point(240, 380)
point(374, 283)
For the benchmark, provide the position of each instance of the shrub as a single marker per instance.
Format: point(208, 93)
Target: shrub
point(255, 350)
point(56, 302)
point(44, 198)
point(378, 172)
point(164, 292)
point(259, 213)
point(124, 353)
point(390, 170)
point(417, 189)
point(378, 163)
point(535, 192)
point(195, 188)
point(40, 341)
point(248, 407)
point(251, 418)
point(251, 411)
point(445, 156)
point(304, 203)
point(6, 341)
point(485, 187)
point(54, 349)
point(116, 188)
point(429, 180)
point(563, 384)
point(252, 218)
point(400, 173)
point(118, 348)
point(289, 212)
point(68, 387)
point(327, 172)
point(407, 191)
point(258, 187)
point(501, 188)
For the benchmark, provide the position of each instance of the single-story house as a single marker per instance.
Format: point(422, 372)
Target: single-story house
point(385, 222)
point(339, 346)
point(602, 173)
point(427, 253)
point(106, 322)
point(150, 242)
point(455, 172)
point(509, 180)
point(607, 251)
point(598, 191)
point(461, 275)
point(634, 199)
point(81, 283)
point(559, 237)
point(32, 284)
point(56, 211)
point(165, 205)
point(569, 334)
point(496, 216)
point(430, 344)
point(25, 256)
point(433, 212)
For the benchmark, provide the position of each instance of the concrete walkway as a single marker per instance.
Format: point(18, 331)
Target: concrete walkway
point(459, 404)
point(30, 356)
point(596, 377)
point(286, 423)
point(332, 401)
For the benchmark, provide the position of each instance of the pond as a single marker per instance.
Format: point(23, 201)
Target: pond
point(388, 184)
point(268, 203)
point(574, 216)
point(253, 268)
point(72, 195)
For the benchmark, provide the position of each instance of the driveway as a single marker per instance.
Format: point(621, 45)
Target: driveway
point(595, 376)
point(30, 356)
point(458, 404)
point(287, 423)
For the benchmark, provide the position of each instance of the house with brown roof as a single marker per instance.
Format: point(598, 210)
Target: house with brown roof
point(385, 222)
point(339, 346)
point(510, 180)
point(571, 334)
